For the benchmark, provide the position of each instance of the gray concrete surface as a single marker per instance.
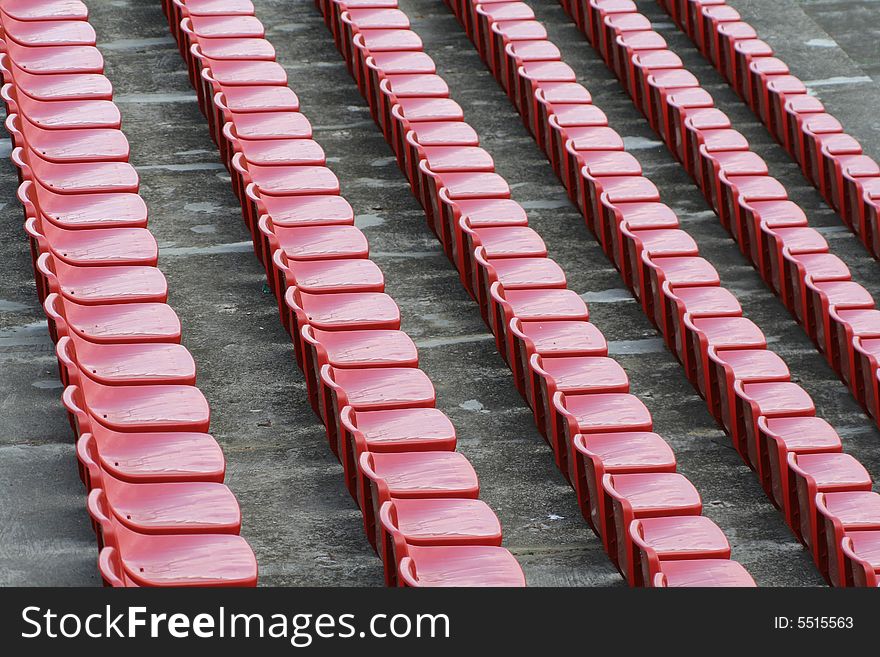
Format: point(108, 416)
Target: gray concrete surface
point(302, 525)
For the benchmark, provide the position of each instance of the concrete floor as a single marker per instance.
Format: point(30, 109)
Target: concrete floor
point(298, 518)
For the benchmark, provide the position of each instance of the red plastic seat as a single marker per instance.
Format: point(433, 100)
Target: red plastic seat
point(93, 247)
point(27, 10)
point(149, 457)
point(66, 146)
point(765, 399)
point(530, 305)
point(125, 364)
point(642, 495)
point(861, 552)
point(167, 508)
point(113, 323)
point(112, 284)
point(398, 430)
point(138, 407)
point(548, 372)
point(411, 475)
point(433, 522)
point(703, 573)
point(76, 178)
point(810, 474)
point(460, 566)
point(721, 333)
point(840, 515)
point(621, 452)
point(322, 276)
point(196, 560)
point(371, 388)
point(554, 340)
point(75, 211)
point(676, 538)
point(58, 114)
point(42, 60)
point(334, 312)
point(747, 365)
point(593, 413)
point(355, 349)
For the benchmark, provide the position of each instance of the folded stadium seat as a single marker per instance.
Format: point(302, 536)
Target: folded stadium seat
point(394, 87)
point(635, 217)
point(180, 560)
point(761, 219)
point(810, 474)
point(553, 371)
point(54, 60)
point(96, 285)
point(474, 214)
point(518, 53)
point(398, 430)
point(549, 97)
point(371, 388)
point(139, 408)
point(75, 178)
point(654, 243)
point(702, 573)
point(352, 350)
point(729, 366)
point(530, 305)
point(55, 87)
point(334, 312)
point(75, 145)
point(634, 496)
point(494, 242)
point(51, 114)
point(49, 10)
point(459, 566)
point(673, 538)
point(502, 34)
point(620, 452)
point(281, 181)
point(765, 400)
point(514, 274)
point(91, 247)
point(552, 340)
point(592, 413)
point(380, 65)
point(168, 508)
point(711, 301)
point(828, 303)
point(437, 161)
point(841, 515)
point(861, 552)
point(433, 522)
point(677, 272)
point(422, 135)
point(579, 143)
point(796, 109)
point(124, 364)
point(410, 114)
point(845, 327)
point(318, 276)
point(112, 323)
point(720, 333)
point(865, 378)
point(681, 105)
point(411, 475)
point(235, 102)
point(78, 211)
point(784, 245)
point(458, 187)
point(852, 177)
point(150, 457)
point(780, 436)
point(570, 121)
